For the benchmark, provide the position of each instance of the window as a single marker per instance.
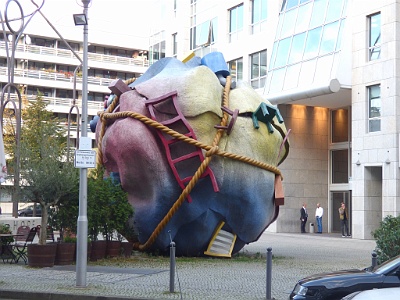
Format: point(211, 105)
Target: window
point(374, 108)
point(175, 7)
point(33, 90)
point(62, 45)
point(258, 15)
point(99, 97)
point(174, 45)
point(236, 69)
point(203, 28)
point(204, 34)
point(258, 63)
point(340, 125)
point(340, 166)
point(64, 94)
point(374, 46)
point(157, 48)
point(236, 22)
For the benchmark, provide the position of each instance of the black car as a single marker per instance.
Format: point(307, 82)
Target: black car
point(28, 211)
point(338, 284)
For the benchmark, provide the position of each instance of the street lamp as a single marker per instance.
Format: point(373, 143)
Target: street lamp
point(80, 19)
point(84, 144)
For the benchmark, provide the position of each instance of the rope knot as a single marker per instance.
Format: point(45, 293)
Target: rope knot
point(212, 151)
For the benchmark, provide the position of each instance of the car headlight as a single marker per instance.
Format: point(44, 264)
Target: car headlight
point(300, 290)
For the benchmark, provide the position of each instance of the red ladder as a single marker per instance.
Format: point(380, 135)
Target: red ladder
point(183, 158)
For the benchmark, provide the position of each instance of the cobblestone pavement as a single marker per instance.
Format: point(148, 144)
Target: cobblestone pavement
point(295, 256)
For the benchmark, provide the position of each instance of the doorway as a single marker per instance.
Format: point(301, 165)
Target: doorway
point(337, 198)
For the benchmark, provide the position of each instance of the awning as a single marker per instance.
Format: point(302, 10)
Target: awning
point(285, 97)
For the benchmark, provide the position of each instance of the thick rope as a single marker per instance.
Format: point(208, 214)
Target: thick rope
point(179, 136)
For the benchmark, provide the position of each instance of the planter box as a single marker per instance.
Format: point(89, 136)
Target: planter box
point(127, 248)
point(41, 256)
point(98, 250)
point(113, 248)
point(65, 254)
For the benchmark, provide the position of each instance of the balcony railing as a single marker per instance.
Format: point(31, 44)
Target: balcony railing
point(62, 102)
point(55, 76)
point(112, 59)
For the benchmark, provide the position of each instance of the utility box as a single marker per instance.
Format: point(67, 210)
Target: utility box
point(311, 227)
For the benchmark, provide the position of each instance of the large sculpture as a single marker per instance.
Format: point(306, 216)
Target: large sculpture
point(197, 154)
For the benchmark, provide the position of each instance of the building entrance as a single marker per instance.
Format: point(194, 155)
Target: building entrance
point(337, 198)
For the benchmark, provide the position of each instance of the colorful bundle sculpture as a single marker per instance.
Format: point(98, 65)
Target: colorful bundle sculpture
point(197, 154)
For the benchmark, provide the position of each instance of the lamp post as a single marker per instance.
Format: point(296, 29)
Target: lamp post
point(81, 257)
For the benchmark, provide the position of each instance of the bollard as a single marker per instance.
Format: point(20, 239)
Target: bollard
point(374, 259)
point(172, 268)
point(269, 272)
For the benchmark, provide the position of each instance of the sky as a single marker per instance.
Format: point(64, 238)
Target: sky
point(126, 22)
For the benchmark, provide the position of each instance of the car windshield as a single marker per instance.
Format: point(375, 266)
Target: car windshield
point(382, 269)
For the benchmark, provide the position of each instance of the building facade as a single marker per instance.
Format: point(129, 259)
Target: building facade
point(331, 68)
point(44, 63)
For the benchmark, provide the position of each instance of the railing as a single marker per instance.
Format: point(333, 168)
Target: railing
point(140, 62)
point(54, 76)
point(64, 102)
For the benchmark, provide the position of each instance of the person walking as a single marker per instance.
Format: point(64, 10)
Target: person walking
point(319, 212)
point(303, 218)
point(344, 220)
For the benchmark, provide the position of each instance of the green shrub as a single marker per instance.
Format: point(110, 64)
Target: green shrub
point(6, 229)
point(387, 238)
point(69, 239)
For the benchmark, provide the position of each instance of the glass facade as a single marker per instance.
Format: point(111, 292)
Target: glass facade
point(307, 43)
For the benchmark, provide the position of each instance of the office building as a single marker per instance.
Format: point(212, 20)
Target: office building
point(331, 68)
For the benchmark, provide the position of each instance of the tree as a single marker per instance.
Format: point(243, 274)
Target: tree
point(46, 177)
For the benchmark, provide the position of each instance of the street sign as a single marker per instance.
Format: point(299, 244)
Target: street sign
point(85, 159)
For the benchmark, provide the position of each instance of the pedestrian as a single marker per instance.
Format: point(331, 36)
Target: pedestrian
point(344, 220)
point(303, 218)
point(319, 212)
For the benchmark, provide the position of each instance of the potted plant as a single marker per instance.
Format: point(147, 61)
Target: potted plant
point(45, 175)
point(5, 242)
point(114, 209)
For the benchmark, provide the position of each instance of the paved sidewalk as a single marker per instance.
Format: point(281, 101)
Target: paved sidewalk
point(295, 256)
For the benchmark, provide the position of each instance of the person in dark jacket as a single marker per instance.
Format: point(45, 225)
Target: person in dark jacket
point(303, 218)
point(344, 220)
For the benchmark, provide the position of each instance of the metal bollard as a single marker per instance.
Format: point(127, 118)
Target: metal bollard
point(172, 267)
point(269, 272)
point(374, 259)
